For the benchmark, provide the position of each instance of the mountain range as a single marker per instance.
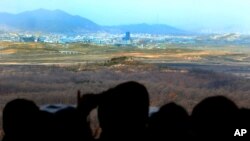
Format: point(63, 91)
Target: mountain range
point(58, 21)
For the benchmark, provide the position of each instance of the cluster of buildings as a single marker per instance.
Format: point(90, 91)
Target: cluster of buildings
point(125, 39)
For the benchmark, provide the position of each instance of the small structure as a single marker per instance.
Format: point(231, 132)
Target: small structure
point(27, 39)
point(69, 52)
point(127, 37)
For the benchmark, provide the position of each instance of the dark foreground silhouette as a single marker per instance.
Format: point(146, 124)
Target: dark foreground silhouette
point(170, 122)
point(123, 115)
point(20, 120)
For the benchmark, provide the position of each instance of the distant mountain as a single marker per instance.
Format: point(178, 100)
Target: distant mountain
point(146, 28)
point(58, 21)
point(42, 20)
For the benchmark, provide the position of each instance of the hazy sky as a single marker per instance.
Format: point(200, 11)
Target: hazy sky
point(187, 14)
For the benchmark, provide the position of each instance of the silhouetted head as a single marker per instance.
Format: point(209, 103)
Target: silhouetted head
point(170, 122)
point(215, 117)
point(123, 112)
point(70, 125)
point(20, 120)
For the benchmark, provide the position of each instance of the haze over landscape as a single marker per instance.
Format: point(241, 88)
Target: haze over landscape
point(191, 15)
point(182, 51)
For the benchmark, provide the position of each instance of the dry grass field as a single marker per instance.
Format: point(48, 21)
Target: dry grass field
point(30, 53)
point(42, 73)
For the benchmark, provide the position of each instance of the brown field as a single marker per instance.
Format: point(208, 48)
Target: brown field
point(38, 53)
point(58, 84)
point(183, 75)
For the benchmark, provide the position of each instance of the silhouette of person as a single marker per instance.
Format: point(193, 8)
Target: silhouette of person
point(86, 103)
point(214, 117)
point(70, 126)
point(170, 122)
point(20, 120)
point(47, 126)
point(244, 122)
point(123, 112)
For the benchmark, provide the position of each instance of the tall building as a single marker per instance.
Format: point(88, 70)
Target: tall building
point(127, 36)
